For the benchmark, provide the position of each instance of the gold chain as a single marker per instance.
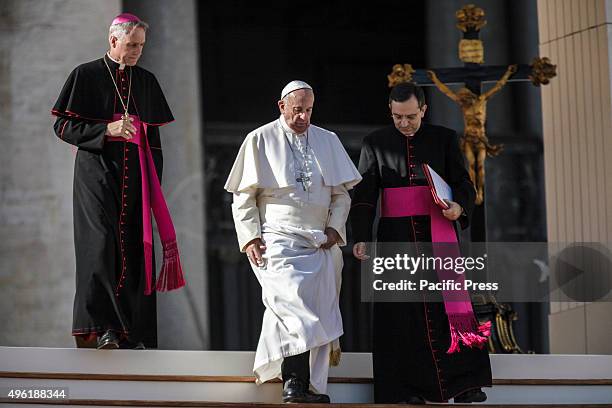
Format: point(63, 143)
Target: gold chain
point(125, 106)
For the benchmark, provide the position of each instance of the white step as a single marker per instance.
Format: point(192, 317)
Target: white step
point(223, 376)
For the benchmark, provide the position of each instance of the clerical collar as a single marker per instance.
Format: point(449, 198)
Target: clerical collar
point(287, 129)
point(121, 66)
point(410, 137)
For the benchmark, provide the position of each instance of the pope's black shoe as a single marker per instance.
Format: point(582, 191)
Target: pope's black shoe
point(475, 395)
point(109, 340)
point(296, 391)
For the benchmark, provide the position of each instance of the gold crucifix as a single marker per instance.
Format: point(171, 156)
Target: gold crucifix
point(474, 143)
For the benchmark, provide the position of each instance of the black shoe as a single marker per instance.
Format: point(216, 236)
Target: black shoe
point(296, 391)
point(413, 400)
point(108, 340)
point(475, 395)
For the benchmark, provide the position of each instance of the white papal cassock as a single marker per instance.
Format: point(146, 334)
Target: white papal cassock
point(300, 282)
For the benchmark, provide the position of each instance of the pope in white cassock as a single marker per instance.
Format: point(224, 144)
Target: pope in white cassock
point(290, 183)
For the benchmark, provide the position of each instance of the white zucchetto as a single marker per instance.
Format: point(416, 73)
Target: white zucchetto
point(294, 86)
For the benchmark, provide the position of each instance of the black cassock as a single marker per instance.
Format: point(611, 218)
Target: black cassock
point(410, 339)
point(107, 206)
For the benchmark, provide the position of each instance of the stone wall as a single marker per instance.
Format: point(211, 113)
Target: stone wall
point(40, 43)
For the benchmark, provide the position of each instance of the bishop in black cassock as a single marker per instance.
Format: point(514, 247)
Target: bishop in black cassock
point(410, 343)
point(115, 301)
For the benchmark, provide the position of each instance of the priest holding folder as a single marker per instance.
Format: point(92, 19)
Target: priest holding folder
point(422, 351)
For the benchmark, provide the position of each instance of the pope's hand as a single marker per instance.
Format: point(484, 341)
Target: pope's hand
point(359, 251)
point(332, 238)
point(119, 129)
point(254, 250)
point(453, 212)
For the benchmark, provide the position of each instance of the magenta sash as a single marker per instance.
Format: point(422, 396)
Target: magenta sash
point(413, 201)
point(171, 275)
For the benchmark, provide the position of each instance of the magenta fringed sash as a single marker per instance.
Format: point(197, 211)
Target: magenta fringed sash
point(171, 275)
point(412, 201)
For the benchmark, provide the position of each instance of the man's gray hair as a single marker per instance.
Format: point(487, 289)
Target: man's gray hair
point(121, 30)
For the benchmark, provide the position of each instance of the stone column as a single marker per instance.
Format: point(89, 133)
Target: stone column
point(40, 43)
point(577, 36)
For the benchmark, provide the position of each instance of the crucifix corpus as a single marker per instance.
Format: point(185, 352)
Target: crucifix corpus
point(304, 180)
point(474, 143)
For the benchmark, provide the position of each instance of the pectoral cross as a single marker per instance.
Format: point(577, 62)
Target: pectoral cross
point(303, 179)
point(126, 119)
